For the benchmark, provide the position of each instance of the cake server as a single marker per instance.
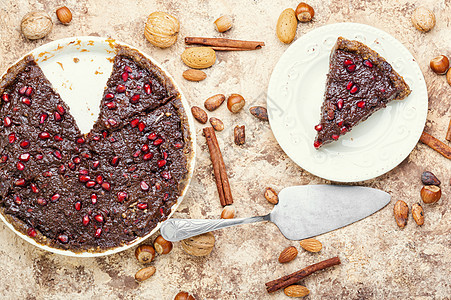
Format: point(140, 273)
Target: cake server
point(302, 212)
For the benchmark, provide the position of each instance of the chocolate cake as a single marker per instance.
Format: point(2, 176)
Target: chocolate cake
point(359, 83)
point(104, 189)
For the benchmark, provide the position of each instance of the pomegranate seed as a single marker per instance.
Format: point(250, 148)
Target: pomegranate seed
point(166, 175)
point(128, 69)
point(368, 63)
point(144, 186)
point(109, 96)
point(90, 184)
point(137, 153)
point(335, 136)
point(142, 205)
point(20, 182)
point(85, 220)
point(152, 136)
point(121, 196)
point(31, 232)
point(148, 156)
point(60, 109)
point(5, 97)
point(106, 186)
point(135, 98)
point(317, 144)
point(383, 90)
point(96, 138)
point(34, 188)
point(39, 156)
point(147, 89)
point(94, 198)
point(62, 169)
point(99, 179)
point(165, 155)
point(80, 140)
point(145, 148)
point(347, 62)
point(63, 238)
point(17, 200)
point(161, 163)
point(58, 138)
point(77, 205)
point(161, 211)
point(343, 129)
point(55, 197)
point(111, 105)
point(340, 123)
point(166, 196)
point(47, 174)
point(318, 127)
point(350, 68)
point(83, 172)
point(134, 123)
point(112, 122)
point(26, 101)
point(24, 144)
point(124, 77)
point(29, 91)
point(12, 138)
point(115, 161)
point(3, 158)
point(7, 121)
point(95, 164)
point(158, 141)
point(20, 166)
point(76, 160)
point(178, 145)
point(349, 85)
point(120, 88)
point(340, 103)
point(44, 135)
point(98, 218)
point(98, 232)
point(57, 154)
point(57, 116)
point(84, 178)
point(361, 104)
point(158, 186)
point(42, 118)
point(23, 89)
point(41, 201)
point(354, 89)
point(141, 126)
point(24, 157)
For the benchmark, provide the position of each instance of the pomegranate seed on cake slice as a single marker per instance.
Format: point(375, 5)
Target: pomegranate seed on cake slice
point(135, 99)
point(58, 138)
point(351, 68)
point(5, 97)
point(29, 91)
point(63, 238)
point(31, 232)
point(158, 141)
point(152, 136)
point(361, 104)
point(3, 158)
point(99, 179)
point(17, 200)
point(93, 198)
point(26, 101)
point(134, 123)
point(39, 156)
point(318, 127)
point(144, 186)
point(335, 136)
point(137, 153)
point(85, 220)
point(24, 144)
point(44, 135)
point(347, 62)
point(23, 89)
point(120, 88)
point(90, 184)
point(7, 121)
point(161, 211)
point(165, 155)
point(98, 232)
point(317, 144)
point(20, 166)
point(349, 85)
point(147, 89)
point(121, 196)
point(124, 76)
point(55, 197)
point(62, 169)
point(76, 160)
point(42, 118)
point(95, 164)
point(34, 188)
point(128, 69)
point(112, 122)
point(166, 175)
point(161, 163)
point(111, 105)
point(98, 218)
point(106, 186)
point(80, 140)
point(109, 96)
point(340, 123)
point(141, 126)
point(24, 157)
point(343, 129)
point(47, 174)
point(142, 205)
point(20, 182)
point(178, 145)
point(57, 154)
point(115, 161)
point(354, 89)
point(145, 148)
point(41, 201)
point(84, 178)
point(148, 156)
point(11, 138)
point(340, 103)
point(77, 205)
point(368, 63)
point(60, 109)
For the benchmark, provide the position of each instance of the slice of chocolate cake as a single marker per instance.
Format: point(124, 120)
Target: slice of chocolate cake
point(359, 83)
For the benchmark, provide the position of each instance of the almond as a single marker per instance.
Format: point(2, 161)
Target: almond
point(214, 102)
point(418, 213)
point(199, 114)
point(286, 26)
point(199, 57)
point(401, 212)
point(311, 245)
point(194, 75)
point(271, 196)
point(217, 124)
point(296, 291)
point(145, 273)
point(288, 254)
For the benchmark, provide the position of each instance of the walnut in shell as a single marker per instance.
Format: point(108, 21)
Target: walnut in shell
point(161, 29)
point(36, 25)
point(200, 245)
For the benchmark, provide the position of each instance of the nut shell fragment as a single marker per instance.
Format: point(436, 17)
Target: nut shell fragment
point(259, 112)
point(217, 124)
point(271, 196)
point(418, 214)
point(199, 114)
point(401, 212)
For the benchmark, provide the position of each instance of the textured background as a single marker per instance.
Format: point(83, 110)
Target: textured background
point(379, 260)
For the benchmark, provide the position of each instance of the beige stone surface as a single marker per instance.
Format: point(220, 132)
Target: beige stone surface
point(379, 260)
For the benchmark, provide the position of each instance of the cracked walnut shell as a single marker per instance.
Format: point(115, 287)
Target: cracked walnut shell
point(161, 29)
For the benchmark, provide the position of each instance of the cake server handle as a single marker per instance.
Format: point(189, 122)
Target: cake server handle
point(179, 229)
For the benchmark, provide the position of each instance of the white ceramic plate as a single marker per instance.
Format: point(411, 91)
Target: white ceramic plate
point(372, 148)
point(81, 85)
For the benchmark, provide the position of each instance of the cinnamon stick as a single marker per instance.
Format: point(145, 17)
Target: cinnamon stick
point(288, 280)
point(435, 144)
point(224, 43)
point(221, 179)
point(448, 134)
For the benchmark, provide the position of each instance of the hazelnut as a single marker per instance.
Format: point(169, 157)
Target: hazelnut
point(235, 103)
point(199, 245)
point(430, 193)
point(145, 273)
point(439, 64)
point(304, 12)
point(448, 76)
point(423, 19)
point(64, 15)
point(145, 254)
point(162, 246)
point(223, 23)
point(36, 25)
point(184, 296)
point(228, 212)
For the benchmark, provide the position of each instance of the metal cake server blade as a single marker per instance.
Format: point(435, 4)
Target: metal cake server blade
point(302, 212)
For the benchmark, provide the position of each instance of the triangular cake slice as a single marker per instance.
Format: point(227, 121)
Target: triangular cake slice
point(359, 83)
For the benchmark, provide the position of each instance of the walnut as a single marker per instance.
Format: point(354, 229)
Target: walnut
point(200, 245)
point(161, 29)
point(36, 25)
